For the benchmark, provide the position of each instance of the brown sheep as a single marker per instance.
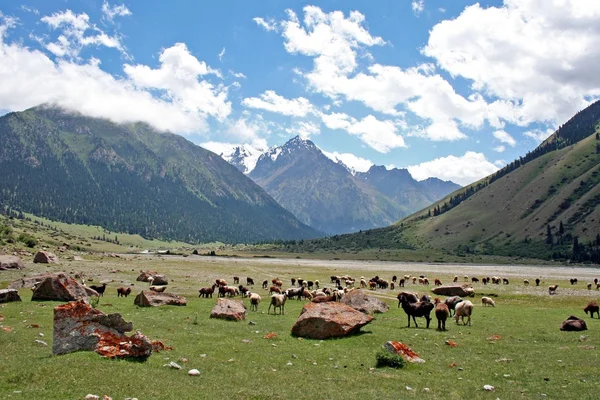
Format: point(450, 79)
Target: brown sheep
point(123, 291)
point(207, 291)
point(552, 289)
point(158, 289)
point(441, 313)
point(274, 289)
point(592, 308)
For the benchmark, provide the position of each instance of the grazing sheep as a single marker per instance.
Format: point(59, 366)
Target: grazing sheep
point(589, 286)
point(254, 301)
point(99, 289)
point(392, 285)
point(274, 289)
point(294, 292)
point(249, 281)
point(537, 282)
point(324, 299)
point(401, 283)
point(158, 289)
point(486, 301)
point(221, 282)
point(265, 284)
point(123, 291)
point(455, 279)
point(573, 281)
point(244, 290)
point(437, 282)
point(592, 308)
point(236, 280)
point(474, 280)
point(306, 294)
point(317, 283)
point(207, 291)
point(372, 285)
point(277, 301)
point(463, 309)
point(526, 282)
point(394, 278)
point(451, 302)
point(441, 313)
point(414, 280)
point(418, 309)
point(504, 281)
point(595, 281)
point(333, 278)
point(363, 283)
point(552, 289)
point(466, 278)
point(278, 283)
point(411, 297)
point(293, 280)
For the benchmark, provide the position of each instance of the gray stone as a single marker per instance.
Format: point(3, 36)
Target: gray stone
point(11, 262)
point(61, 288)
point(160, 280)
point(8, 295)
point(29, 282)
point(45, 257)
point(231, 310)
point(364, 302)
point(327, 320)
point(456, 290)
point(148, 298)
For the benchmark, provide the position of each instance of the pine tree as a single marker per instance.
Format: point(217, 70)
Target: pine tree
point(549, 239)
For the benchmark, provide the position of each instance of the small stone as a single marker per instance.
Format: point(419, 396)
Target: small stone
point(506, 375)
point(582, 338)
point(543, 395)
point(547, 379)
point(251, 323)
point(294, 356)
point(183, 360)
point(231, 360)
point(489, 388)
point(246, 341)
point(330, 358)
point(203, 355)
point(314, 363)
point(41, 334)
point(173, 365)
point(409, 388)
point(193, 372)
point(41, 342)
point(289, 364)
point(426, 390)
point(461, 369)
point(91, 397)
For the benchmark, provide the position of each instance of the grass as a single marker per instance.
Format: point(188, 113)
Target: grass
point(541, 359)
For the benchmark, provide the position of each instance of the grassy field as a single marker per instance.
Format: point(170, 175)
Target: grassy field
point(532, 357)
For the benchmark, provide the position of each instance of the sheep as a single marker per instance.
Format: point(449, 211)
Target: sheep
point(363, 283)
point(504, 281)
point(306, 294)
point(411, 297)
point(592, 308)
point(437, 282)
point(372, 285)
point(294, 292)
point(278, 283)
point(466, 278)
point(589, 286)
point(99, 289)
point(158, 289)
point(311, 284)
point(401, 283)
point(274, 289)
point(418, 309)
point(244, 290)
point(394, 278)
point(474, 280)
point(324, 299)
point(123, 291)
point(207, 291)
point(414, 279)
point(392, 285)
point(463, 309)
point(317, 283)
point(254, 301)
point(333, 278)
point(455, 279)
point(221, 282)
point(573, 281)
point(537, 282)
point(236, 280)
point(293, 280)
point(277, 301)
point(451, 302)
point(552, 289)
point(265, 284)
point(249, 281)
point(441, 313)
point(526, 282)
point(486, 301)
point(406, 277)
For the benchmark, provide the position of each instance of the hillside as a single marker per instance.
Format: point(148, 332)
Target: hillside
point(134, 179)
point(545, 205)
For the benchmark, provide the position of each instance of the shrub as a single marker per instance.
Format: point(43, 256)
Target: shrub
point(28, 240)
point(387, 359)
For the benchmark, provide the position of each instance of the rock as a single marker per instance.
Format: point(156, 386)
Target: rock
point(193, 372)
point(146, 275)
point(573, 324)
point(461, 291)
point(78, 326)
point(403, 350)
point(41, 342)
point(8, 295)
point(45, 257)
point(28, 282)
point(92, 397)
point(489, 388)
point(231, 310)
point(160, 280)
point(327, 320)
point(11, 262)
point(173, 365)
point(148, 298)
point(77, 258)
point(61, 288)
point(364, 302)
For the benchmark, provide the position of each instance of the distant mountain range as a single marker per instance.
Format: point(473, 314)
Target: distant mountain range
point(327, 195)
point(132, 178)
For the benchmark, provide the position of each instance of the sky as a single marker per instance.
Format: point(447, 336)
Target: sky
point(453, 89)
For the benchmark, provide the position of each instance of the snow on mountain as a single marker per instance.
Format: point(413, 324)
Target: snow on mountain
point(242, 156)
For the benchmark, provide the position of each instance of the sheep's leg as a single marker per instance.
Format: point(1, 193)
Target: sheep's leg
point(415, 321)
point(408, 320)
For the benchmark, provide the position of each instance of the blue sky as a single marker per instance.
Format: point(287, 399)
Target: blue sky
point(453, 89)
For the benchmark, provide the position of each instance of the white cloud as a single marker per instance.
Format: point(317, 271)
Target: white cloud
point(418, 6)
point(537, 57)
point(353, 162)
point(305, 129)
point(500, 149)
point(221, 54)
point(381, 136)
point(271, 101)
point(504, 137)
point(30, 9)
point(29, 78)
point(238, 75)
point(539, 135)
point(500, 163)
point(248, 130)
point(463, 170)
point(269, 25)
point(110, 12)
point(73, 37)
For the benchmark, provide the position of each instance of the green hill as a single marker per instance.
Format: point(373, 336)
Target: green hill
point(131, 178)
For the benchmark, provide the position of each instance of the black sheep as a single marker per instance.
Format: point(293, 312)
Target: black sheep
point(418, 309)
point(99, 289)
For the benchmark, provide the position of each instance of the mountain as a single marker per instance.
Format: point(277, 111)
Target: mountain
point(320, 192)
point(543, 205)
point(132, 178)
point(402, 188)
point(243, 157)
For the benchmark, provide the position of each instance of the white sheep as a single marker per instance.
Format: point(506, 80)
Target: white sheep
point(277, 301)
point(317, 283)
point(486, 301)
point(462, 310)
point(254, 301)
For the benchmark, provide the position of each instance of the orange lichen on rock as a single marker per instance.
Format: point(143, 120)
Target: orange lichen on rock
point(406, 352)
point(270, 335)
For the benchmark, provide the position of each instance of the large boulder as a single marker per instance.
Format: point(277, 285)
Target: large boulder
point(232, 310)
point(29, 282)
point(61, 288)
point(7, 295)
point(327, 320)
point(160, 280)
point(11, 262)
point(146, 275)
point(78, 326)
point(45, 257)
point(364, 302)
point(149, 298)
point(573, 324)
point(455, 290)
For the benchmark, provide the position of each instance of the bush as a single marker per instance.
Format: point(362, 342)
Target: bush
point(28, 240)
point(387, 359)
